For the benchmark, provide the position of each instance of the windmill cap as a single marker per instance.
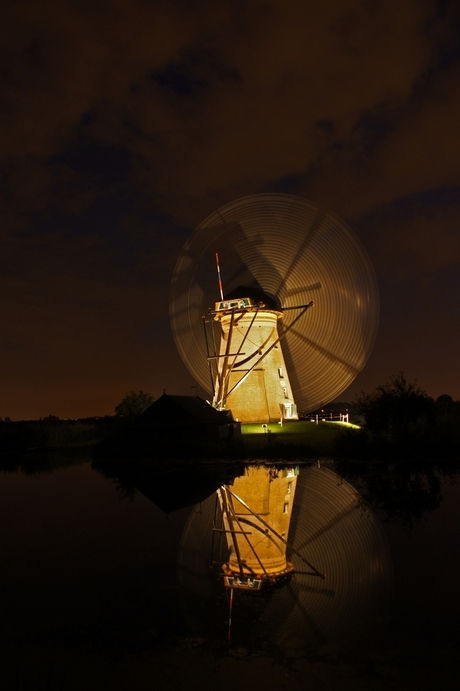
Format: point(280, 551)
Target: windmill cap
point(256, 294)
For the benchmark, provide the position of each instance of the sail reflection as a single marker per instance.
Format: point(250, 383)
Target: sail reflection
point(317, 561)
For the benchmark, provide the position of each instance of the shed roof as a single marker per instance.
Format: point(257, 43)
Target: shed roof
point(192, 409)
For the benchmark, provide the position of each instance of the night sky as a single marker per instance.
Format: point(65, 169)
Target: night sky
point(124, 123)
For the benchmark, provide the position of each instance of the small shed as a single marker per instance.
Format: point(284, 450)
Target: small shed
point(190, 416)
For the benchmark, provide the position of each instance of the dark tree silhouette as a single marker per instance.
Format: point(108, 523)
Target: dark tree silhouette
point(133, 404)
point(408, 445)
point(396, 408)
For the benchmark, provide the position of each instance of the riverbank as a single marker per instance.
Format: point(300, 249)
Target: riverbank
point(118, 438)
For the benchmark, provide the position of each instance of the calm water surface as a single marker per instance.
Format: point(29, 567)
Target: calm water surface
point(85, 572)
point(76, 559)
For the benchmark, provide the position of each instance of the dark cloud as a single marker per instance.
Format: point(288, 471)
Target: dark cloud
point(125, 122)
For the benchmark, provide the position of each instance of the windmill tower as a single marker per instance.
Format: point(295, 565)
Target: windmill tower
point(252, 378)
point(278, 254)
point(256, 514)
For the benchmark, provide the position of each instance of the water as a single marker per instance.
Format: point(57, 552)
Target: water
point(426, 564)
point(78, 563)
point(89, 597)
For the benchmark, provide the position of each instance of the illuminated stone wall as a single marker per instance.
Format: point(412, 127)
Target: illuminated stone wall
point(265, 393)
point(272, 499)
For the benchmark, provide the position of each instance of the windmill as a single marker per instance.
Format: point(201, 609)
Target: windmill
point(295, 326)
point(280, 255)
point(330, 527)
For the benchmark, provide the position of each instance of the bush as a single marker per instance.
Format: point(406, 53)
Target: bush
point(396, 408)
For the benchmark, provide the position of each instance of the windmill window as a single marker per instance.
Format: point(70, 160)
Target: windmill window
point(285, 507)
point(288, 491)
point(280, 372)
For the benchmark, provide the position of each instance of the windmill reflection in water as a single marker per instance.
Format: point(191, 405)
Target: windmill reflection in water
point(255, 518)
point(274, 553)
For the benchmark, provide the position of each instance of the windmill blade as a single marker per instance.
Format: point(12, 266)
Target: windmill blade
point(315, 590)
point(342, 515)
point(312, 231)
point(293, 251)
point(326, 353)
point(303, 289)
point(334, 530)
point(330, 527)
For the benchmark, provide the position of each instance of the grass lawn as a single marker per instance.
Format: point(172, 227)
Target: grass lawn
point(297, 433)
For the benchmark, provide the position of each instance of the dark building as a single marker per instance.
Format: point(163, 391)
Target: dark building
point(189, 416)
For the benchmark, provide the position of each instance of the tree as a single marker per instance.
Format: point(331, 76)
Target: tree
point(409, 443)
point(396, 408)
point(445, 404)
point(133, 404)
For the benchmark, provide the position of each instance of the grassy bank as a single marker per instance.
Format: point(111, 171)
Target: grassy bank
point(296, 434)
point(29, 436)
point(121, 438)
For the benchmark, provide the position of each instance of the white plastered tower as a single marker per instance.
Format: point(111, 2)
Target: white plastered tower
point(252, 379)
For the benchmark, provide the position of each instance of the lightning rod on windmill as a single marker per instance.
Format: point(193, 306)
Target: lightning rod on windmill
point(219, 278)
